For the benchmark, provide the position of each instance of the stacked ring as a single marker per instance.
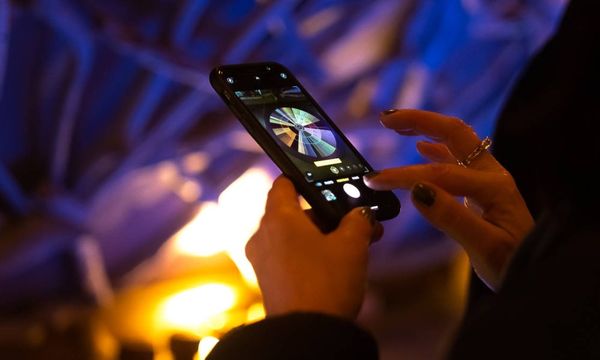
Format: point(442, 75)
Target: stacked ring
point(483, 146)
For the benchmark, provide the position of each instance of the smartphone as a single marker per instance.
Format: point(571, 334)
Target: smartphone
point(301, 139)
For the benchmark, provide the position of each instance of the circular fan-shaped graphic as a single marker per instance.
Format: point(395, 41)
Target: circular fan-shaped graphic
point(303, 132)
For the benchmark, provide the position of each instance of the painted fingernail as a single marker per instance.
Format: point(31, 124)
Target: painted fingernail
point(368, 214)
point(388, 112)
point(423, 194)
point(371, 175)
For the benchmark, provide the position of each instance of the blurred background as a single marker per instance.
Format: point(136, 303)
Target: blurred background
point(128, 190)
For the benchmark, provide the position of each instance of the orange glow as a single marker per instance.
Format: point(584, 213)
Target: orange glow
point(255, 312)
point(197, 309)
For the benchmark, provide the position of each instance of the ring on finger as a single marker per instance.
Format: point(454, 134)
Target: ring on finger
point(483, 146)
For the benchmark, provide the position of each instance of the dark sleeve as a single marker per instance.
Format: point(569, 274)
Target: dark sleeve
point(549, 304)
point(297, 336)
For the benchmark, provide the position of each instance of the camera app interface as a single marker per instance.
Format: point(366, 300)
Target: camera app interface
point(307, 138)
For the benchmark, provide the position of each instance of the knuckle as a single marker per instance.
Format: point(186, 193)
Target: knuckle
point(271, 193)
point(505, 181)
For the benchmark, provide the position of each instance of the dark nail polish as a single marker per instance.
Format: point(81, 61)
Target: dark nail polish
point(388, 112)
point(424, 194)
point(371, 175)
point(368, 214)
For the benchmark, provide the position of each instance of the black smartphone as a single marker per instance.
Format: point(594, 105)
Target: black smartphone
point(301, 139)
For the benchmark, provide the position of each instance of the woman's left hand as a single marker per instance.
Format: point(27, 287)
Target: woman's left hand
point(301, 269)
point(495, 219)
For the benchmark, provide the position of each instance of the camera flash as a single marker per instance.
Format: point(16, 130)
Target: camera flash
point(257, 77)
point(283, 75)
point(230, 80)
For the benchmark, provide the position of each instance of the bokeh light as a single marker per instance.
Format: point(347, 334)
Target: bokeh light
point(226, 225)
point(197, 308)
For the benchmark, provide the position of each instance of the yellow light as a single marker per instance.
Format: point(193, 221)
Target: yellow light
point(194, 238)
point(228, 224)
point(205, 346)
point(197, 308)
point(243, 204)
point(255, 312)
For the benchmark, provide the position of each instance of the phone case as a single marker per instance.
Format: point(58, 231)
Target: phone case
point(327, 214)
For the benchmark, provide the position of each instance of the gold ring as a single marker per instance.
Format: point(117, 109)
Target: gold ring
point(483, 146)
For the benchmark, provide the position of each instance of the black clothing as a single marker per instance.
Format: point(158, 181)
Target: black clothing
point(546, 134)
point(549, 304)
point(298, 336)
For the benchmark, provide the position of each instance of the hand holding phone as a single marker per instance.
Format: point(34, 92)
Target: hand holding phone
point(302, 141)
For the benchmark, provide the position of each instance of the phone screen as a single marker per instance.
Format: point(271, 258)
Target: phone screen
point(304, 134)
point(281, 115)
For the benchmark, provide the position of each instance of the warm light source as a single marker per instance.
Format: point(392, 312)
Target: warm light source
point(205, 347)
point(243, 205)
point(195, 309)
point(255, 313)
point(226, 226)
point(192, 239)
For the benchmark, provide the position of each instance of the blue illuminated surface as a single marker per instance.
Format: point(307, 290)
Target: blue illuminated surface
point(97, 96)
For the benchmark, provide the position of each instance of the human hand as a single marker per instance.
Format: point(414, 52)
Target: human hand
point(495, 219)
point(301, 269)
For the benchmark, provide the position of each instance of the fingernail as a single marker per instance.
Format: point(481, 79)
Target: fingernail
point(368, 214)
point(388, 112)
point(371, 175)
point(423, 194)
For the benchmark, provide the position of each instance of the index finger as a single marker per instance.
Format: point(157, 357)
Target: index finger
point(459, 137)
point(282, 195)
point(454, 179)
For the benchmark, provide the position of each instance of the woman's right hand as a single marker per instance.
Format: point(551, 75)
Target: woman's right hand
point(492, 221)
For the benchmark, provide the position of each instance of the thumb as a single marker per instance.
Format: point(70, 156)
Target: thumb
point(360, 223)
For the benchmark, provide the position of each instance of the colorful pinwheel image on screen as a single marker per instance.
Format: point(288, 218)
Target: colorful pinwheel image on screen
point(303, 132)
